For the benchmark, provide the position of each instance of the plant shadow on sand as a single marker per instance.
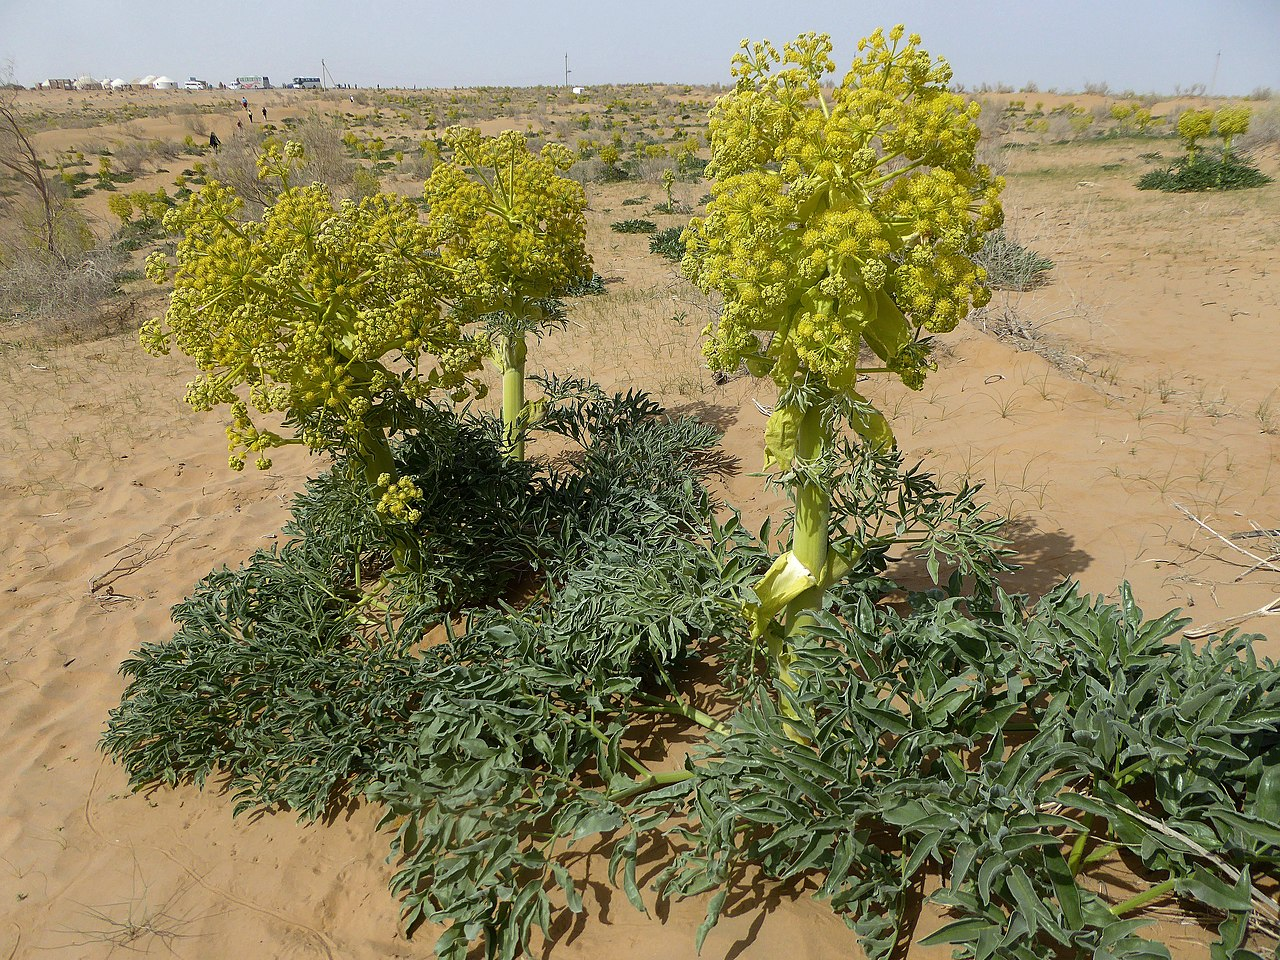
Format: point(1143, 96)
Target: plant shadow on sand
point(720, 416)
point(1043, 559)
point(751, 896)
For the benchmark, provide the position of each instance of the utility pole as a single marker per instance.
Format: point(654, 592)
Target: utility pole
point(1214, 82)
point(566, 71)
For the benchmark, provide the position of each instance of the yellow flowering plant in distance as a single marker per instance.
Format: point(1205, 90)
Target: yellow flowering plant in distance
point(1194, 126)
point(838, 221)
point(1231, 122)
point(328, 314)
point(511, 235)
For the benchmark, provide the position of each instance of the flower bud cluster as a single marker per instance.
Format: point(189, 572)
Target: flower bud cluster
point(1232, 121)
point(1194, 125)
point(397, 499)
point(308, 312)
point(843, 218)
point(508, 227)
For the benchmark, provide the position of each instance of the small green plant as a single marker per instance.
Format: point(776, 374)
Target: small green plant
point(634, 226)
point(669, 243)
point(583, 287)
point(1205, 171)
point(121, 206)
point(1010, 265)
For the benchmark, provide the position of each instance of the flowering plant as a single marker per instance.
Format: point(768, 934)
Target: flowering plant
point(331, 316)
point(837, 221)
point(511, 235)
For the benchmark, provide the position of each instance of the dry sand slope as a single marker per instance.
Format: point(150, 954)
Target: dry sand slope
point(1162, 314)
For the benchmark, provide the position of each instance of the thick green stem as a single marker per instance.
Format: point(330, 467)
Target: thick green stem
point(374, 453)
point(809, 545)
point(510, 354)
point(678, 708)
point(813, 513)
point(375, 457)
point(1078, 848)
point(650, 782)
point(1147, 896)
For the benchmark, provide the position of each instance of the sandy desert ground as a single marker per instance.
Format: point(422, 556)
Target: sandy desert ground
point(1116, 414)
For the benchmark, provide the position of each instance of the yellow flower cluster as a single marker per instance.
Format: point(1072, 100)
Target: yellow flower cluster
point(844, 220)
point(328, 314)
point(397, 499)
point(509, 229)
point(1232, 121)
point(1194, 125)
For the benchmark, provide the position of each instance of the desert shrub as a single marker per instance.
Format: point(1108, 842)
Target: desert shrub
point(993, 126)
point(57, 294)
point(326, 158)
point(651, 169)
point(1010, 265)
point(633, 226)
point(1205, 170)
point(236, 165)
point(669, 243)
point(1264, 127)
point(614, 173)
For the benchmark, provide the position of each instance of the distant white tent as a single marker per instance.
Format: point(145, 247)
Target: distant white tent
point(119, 84)
point(147, 81)
point(87, 83)
point(164, 83)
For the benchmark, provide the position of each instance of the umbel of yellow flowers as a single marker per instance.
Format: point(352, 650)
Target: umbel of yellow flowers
point(835, 222)
point(842, 221)
point(511, 235)
point(330, 315)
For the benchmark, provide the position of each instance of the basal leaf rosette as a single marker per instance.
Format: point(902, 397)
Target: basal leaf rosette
point(841, 222)
point(329, 315)
point(511, 234)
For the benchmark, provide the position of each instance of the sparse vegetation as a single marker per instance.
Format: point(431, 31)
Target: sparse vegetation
point(669, 243)
point(1010, 265)
point(633, 226)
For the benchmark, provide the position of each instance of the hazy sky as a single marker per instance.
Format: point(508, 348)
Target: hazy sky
point(1136, 44)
